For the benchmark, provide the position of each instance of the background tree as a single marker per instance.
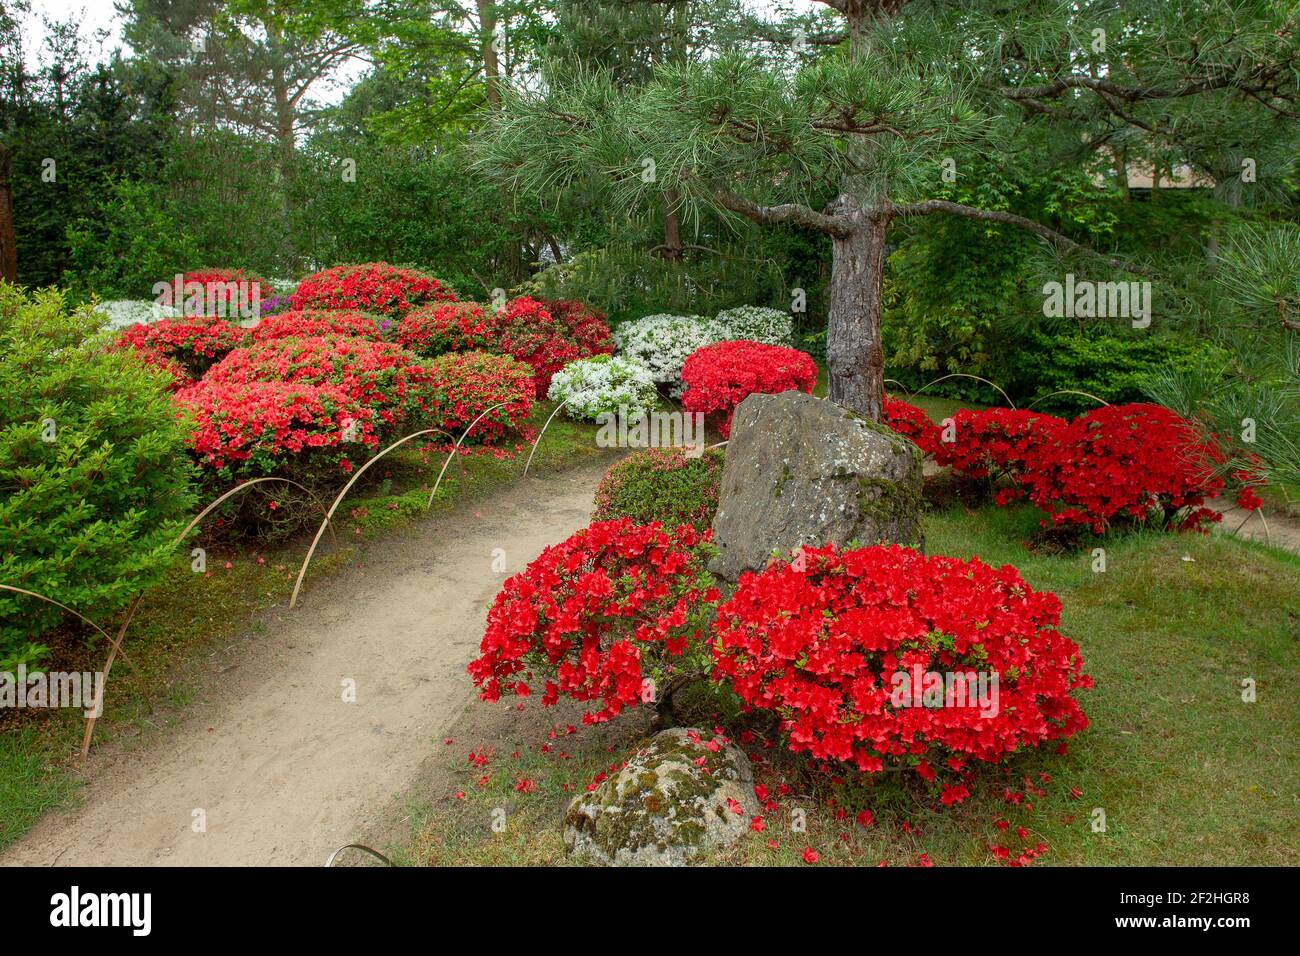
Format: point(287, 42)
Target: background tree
point(11, 78)
point(249, 65)
point(69, 131)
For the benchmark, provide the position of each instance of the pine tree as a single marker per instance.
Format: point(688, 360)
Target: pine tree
point(864, 104)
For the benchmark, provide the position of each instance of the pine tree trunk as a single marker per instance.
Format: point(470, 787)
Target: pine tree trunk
point(487, 23)
point(672, 247)
point(855, 359)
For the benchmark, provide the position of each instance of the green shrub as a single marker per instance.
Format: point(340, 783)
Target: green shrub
point(958, 292)
point(662, 484)
point(94, 478)
point(1116, 366)
point(132, 241)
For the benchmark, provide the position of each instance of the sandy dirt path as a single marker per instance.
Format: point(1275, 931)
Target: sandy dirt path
point(281, 768)
point(1278, 530)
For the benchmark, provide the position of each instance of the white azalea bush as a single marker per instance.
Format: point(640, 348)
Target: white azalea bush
point(124, 313)
point(756, 323)
point(663, 342)
point(604, 384)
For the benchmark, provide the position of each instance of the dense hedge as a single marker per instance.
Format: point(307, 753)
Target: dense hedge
point(95, 482)
point(1116, 367)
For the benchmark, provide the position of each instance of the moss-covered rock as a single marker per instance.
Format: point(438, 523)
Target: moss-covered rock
point(664, 808)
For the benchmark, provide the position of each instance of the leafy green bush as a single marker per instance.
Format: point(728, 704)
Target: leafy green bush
point(944, 293)
point(958, 291)
point(662, 484)
point(94, 479)
point(132, 241)
point(1117, 367)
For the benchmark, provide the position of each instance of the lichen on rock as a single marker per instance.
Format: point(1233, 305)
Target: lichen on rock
point(675, 798)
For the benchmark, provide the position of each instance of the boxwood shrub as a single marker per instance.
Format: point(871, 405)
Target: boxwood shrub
point(662, 484)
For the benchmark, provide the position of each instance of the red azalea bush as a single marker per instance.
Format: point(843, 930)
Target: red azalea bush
point(379, 375)
point(588, 327)
point(293, 429)
point(993, 443)
point(524, 328)
point(719, 376)
point(822, 641)
point(195, 343)
point(226, 292)
point(1125, 463)
point(446, 327)
point(596, 615)
point(370, 287)
point(469, 383)
point(912, 423)
point(314, 322)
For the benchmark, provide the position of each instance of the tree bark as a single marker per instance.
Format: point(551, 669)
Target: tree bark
point(286, 149)
point(855, 357)
point(672, 247)
point(555, 248)
point(8, 235)
point(487, 26)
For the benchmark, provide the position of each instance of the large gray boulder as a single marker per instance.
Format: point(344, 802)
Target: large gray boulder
point(663, 808)
point(803, 470)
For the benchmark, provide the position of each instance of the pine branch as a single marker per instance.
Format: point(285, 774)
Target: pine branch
point(797, 213)
point(1102, 85)
point(932, 206)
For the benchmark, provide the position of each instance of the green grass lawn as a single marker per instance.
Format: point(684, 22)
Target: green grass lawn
point(1184, 770)
point(186, 614)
